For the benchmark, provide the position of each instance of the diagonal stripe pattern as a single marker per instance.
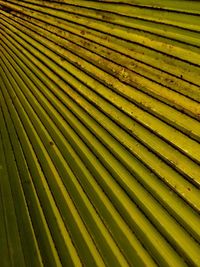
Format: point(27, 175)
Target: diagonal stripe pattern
point(100, 133)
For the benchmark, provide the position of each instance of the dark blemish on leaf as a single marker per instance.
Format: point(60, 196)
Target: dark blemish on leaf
point(27, 182)
point(6, 9)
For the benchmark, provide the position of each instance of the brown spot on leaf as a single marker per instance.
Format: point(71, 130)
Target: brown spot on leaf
point(51, 143)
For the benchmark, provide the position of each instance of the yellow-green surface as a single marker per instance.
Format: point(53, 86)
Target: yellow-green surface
point(100, 133)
